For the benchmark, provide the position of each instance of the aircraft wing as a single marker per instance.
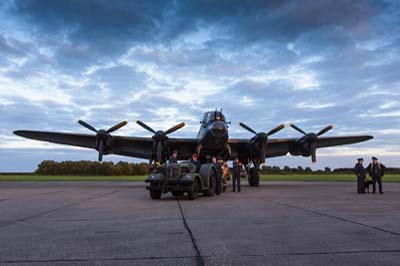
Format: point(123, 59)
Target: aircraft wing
point(128, 146)
point(81, 140)
point(280, 147)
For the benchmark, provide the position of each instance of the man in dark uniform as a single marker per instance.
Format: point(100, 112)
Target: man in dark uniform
point(360, 172)
point(376, 171)
point(173, 157)
point(194, 160)
point(236, 171)
point(218, 167)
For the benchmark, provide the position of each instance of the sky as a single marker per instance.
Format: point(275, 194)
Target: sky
point(312, 63)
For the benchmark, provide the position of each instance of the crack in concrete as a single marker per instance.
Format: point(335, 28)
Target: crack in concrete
point(57, 209)
point(199, 257)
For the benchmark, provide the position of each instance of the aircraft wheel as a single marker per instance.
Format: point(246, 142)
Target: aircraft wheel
point(155, 194)
point(194, 193)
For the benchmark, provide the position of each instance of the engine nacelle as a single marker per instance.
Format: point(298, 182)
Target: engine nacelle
point(303, 146)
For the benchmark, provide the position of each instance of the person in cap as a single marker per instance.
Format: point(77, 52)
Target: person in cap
point(195, 161)
point(218, 168)
point(173, 157)
point(360, 173)
point(236, 171)
point(376, 171)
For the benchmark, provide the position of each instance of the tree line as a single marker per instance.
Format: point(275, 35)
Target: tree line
point(91, 168)
point(124, 168)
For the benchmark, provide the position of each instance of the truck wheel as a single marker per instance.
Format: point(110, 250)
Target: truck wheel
point(213, 184)
point(155, 194)
point(177, 193)
point(193, 194)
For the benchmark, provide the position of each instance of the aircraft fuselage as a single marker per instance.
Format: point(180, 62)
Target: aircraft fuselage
point(212, 138)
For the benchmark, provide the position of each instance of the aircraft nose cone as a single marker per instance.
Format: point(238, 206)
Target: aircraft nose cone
point(218, 129)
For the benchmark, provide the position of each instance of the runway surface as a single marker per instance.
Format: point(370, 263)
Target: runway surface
point(278, 223)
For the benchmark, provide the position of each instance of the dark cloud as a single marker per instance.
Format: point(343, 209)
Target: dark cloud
point(126, 22)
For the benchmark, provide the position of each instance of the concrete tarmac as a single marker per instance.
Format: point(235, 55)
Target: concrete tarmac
point(278, 223)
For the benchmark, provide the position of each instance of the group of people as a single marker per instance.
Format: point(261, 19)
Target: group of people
point(222, 170)
point(375, 171)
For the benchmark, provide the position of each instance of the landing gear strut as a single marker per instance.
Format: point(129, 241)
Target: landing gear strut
point(254, 177)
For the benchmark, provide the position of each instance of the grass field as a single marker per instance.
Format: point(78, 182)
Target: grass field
point(316, 177)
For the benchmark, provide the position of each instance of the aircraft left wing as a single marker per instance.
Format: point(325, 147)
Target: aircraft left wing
point(81, 140)
point(127, 146)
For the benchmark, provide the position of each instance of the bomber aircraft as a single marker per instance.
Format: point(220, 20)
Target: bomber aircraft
point(212, 139)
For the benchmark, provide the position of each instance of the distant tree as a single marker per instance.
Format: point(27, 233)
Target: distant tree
point(328, 170)
point(287, 169)
point(91, 168)
point(308, 170)
point(300, 169)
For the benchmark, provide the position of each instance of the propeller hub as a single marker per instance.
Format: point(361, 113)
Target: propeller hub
point(102, 134)
point(160, 136)
point(311, 137)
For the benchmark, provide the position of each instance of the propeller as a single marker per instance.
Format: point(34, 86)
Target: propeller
point(103, 137)
point(160, 137)
point(262, 138)
point(311, 139)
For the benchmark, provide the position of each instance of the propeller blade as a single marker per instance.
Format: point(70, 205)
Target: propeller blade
point(247, 128)
point(323, 131)
point(83, 123)
point(117, 126)
point(298, 129)
point(143, 125)
point(313, 148)
point(175, 128)
point(101, 151)
point(275, 130)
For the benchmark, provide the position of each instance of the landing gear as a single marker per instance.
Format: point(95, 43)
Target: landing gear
point(254, 177)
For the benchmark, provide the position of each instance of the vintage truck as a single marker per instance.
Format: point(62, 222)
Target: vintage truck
point(181, 178)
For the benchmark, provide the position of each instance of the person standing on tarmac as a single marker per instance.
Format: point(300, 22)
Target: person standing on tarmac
point(360, 172)
point(218, 168)
point(225, 175)
point(376, 171)
point(173, 157)
point(236, 171)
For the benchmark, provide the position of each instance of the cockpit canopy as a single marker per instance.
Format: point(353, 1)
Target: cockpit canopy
point(213, 116)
